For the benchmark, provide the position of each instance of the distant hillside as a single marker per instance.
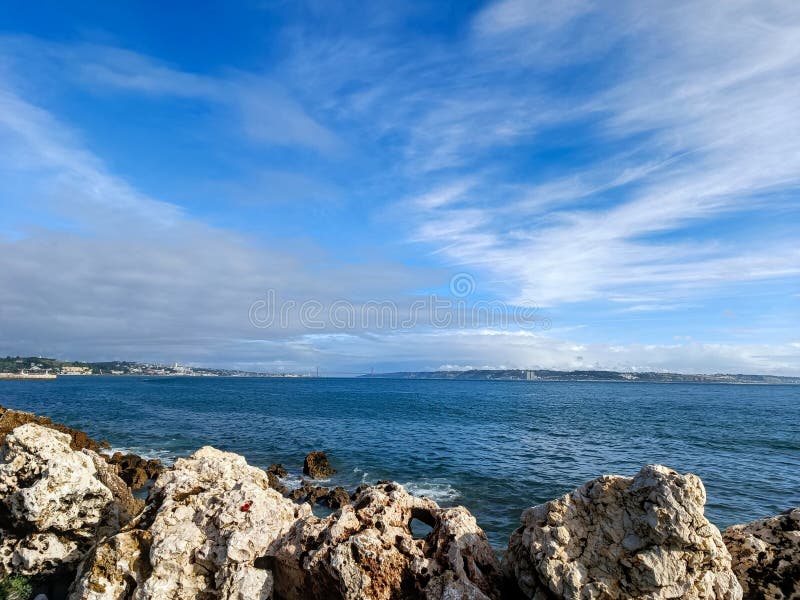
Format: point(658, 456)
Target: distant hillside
point(35, 364)
point(548, 375)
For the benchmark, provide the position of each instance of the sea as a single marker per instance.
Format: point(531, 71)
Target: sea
point(496, 447)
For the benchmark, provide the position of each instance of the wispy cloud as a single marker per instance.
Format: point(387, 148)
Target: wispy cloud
point(714, 122)
point(266, 111)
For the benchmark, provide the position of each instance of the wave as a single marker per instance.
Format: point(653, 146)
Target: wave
point(165, 456)
point(437, 490)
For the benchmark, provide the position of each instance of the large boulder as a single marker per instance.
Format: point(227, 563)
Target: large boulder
point(317, 465)
point(621, 537)
point(55, 502)
point(766, 556)
point(367, 551)
point(209, 518)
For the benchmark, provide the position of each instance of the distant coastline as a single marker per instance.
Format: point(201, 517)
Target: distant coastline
point(594, 376)
point(49, 368)
point(36, 367)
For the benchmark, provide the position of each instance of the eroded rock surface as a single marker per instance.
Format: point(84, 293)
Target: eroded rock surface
point(766, 556)
point(317, 465)
point(11, 419)
point(367, 552)
point(134, 470)
point(54, 502)
point(210, 517)
point(621, 537)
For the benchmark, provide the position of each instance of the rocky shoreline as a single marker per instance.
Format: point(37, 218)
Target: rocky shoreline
point(214, 527)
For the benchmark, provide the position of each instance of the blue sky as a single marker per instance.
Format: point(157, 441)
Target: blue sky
point(630, 171)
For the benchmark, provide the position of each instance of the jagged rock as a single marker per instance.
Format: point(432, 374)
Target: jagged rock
point(277, 469)
point(135, 470)
point(276, 484)
point(766, 556)
point(11, 419)
point(42, 553)
point(125, 504)
point(367, 552)
point(116, 568)
point(317, 465)
point(337, 497)
point(621, 537)
point(45, 485)
point(210, 517)
point(316, 494)
point(54, 501)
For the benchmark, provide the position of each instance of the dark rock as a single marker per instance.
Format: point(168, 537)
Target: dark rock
point(766, 556)
point(338, 497)
point(316, 494)
point(277, 469)
point(135, 470)
point(317, 466)
point(276, 484)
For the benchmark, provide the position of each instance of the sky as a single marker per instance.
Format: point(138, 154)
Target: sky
point(286, 186)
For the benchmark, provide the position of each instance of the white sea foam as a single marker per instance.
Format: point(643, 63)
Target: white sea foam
point(364, 475)
point(292, 481)
point(436, 489)
point(165, 456)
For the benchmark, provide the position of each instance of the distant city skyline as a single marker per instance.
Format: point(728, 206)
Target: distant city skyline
point(608, 185)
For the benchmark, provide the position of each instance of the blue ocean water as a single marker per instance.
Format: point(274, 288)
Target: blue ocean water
point(495, 447)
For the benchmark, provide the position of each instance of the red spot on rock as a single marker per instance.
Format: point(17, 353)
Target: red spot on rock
point(246, 507)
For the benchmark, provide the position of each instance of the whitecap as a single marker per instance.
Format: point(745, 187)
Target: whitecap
point(436, 489)
point(292, 481)
point(165, 456)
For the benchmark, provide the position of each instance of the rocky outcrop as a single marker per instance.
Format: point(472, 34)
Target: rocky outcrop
point(317, 466)
point(277, 469)
point(134, 470)
point(621, 537)
point(766, 556)
point(11, 419)
point(367, 551)
point(210, 517)
point(55, 502)
point(337, 497)
point(314, 494)
point(125, 507)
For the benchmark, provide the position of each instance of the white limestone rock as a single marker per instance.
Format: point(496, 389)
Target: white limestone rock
point(621, 537)
point(52, 500)
point(212, 516)
point(47, 486)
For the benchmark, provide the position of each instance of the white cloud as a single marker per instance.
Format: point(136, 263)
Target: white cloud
point(491, 349)
point(266, 111)
point(510, 15)
point(122, 275)
point(715, 125)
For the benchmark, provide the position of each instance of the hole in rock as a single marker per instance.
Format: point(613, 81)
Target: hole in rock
point(419, 529)
point(321, 511)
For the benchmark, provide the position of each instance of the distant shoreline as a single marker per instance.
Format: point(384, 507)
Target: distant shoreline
point(538, 375)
